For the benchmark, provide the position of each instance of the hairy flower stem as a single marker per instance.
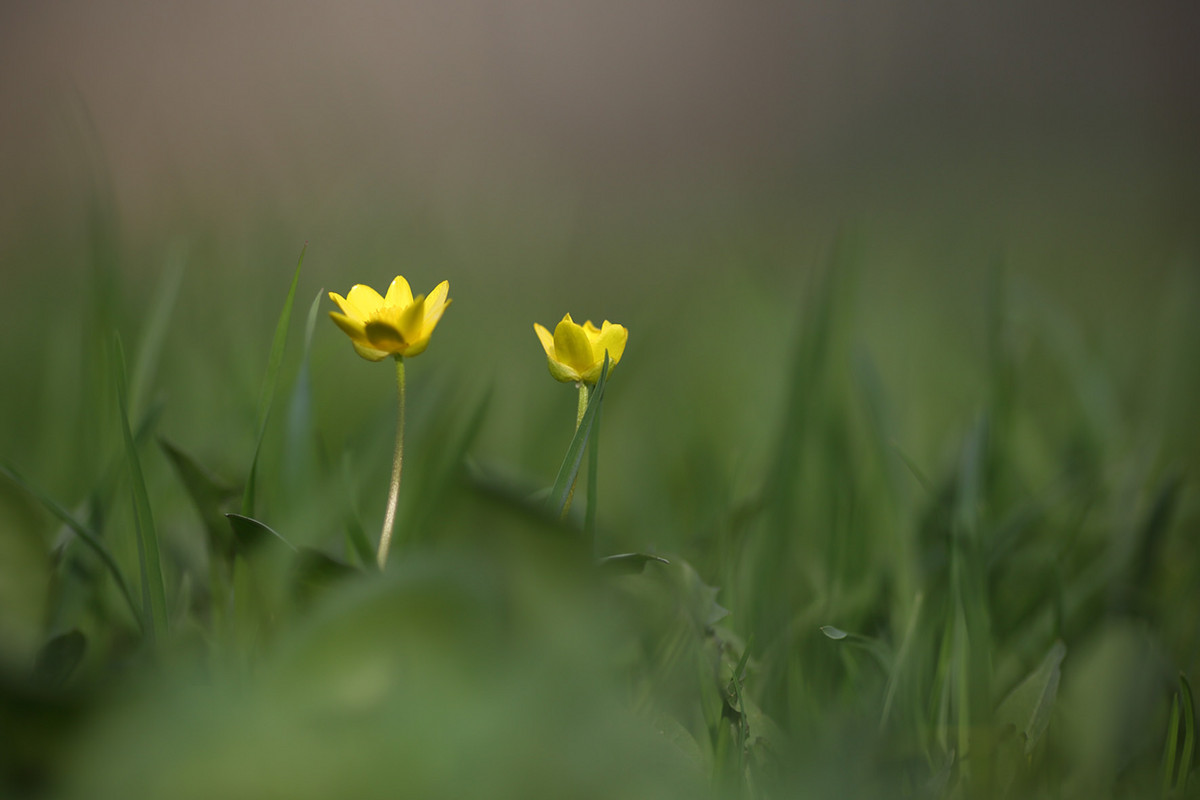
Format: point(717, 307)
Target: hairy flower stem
point(583, 404)
point(389, 519)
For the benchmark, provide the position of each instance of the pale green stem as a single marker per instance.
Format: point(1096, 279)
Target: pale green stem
point(389, 519)
point(583, 404)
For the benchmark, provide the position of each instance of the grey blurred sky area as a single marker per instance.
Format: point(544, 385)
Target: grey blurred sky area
point(240, 103)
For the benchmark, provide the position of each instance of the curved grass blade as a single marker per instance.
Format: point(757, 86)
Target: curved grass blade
point(249, 533)
point(274, 362)
point(154, 595)
point(569, 470)
point(630, 563)
point(85, 535)
point(877, 648)
point(1177, 760)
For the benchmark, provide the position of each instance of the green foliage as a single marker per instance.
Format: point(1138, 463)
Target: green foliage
point(809, 598)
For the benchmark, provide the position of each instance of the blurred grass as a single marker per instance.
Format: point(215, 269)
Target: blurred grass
point(977, 463)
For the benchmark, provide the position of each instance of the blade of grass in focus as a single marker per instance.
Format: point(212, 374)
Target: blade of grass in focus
point(270, 380)
point(569, 470)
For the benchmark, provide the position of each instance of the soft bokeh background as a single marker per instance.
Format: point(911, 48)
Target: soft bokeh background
point(685, 168)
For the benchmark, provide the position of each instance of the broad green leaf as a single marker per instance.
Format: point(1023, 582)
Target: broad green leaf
point(569, 470)
point(154, 595)
point(267, 397)
point(1028, 705)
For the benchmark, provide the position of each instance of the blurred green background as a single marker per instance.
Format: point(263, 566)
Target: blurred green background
point(913, 305)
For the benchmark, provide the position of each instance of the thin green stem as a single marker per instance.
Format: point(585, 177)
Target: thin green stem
point(389, 519)
point(583, 404)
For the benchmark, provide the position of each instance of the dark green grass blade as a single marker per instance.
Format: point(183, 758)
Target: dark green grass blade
point(630, 563)
point(207, 495)
point(1189, 734)
point(85, 535)
point(250, 534)
point(270, 381)
point(569, 470)
point(154, 596)
point(1178, 755)
point(300, 440)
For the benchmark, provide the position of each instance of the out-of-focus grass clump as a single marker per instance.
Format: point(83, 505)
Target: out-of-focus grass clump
point(948, 557)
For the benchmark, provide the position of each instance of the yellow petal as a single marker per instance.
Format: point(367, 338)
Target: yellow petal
point(611, 338)
point(432, 316)
point(369, 353)
point(399, 294)
point(417, 347)
point(354, 328)
point(412, 320)
point(364, 299)
point(382, 335)
point(345, 306)
point(590, 328)
point(571, 346)
point(436, 302)
point(546, 337)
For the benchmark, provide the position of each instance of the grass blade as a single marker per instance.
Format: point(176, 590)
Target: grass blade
point(249, 533)
point(300, 441)
point(154, 596)
point(630, 563)
point(85, 534)
point(270, 381)
point(569, 470)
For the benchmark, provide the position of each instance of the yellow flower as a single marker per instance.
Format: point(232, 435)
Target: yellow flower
point(395, 325)
point(576, 352)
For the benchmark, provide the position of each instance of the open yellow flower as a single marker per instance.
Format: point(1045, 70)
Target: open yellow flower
point(393, 325)
point(575, 353)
